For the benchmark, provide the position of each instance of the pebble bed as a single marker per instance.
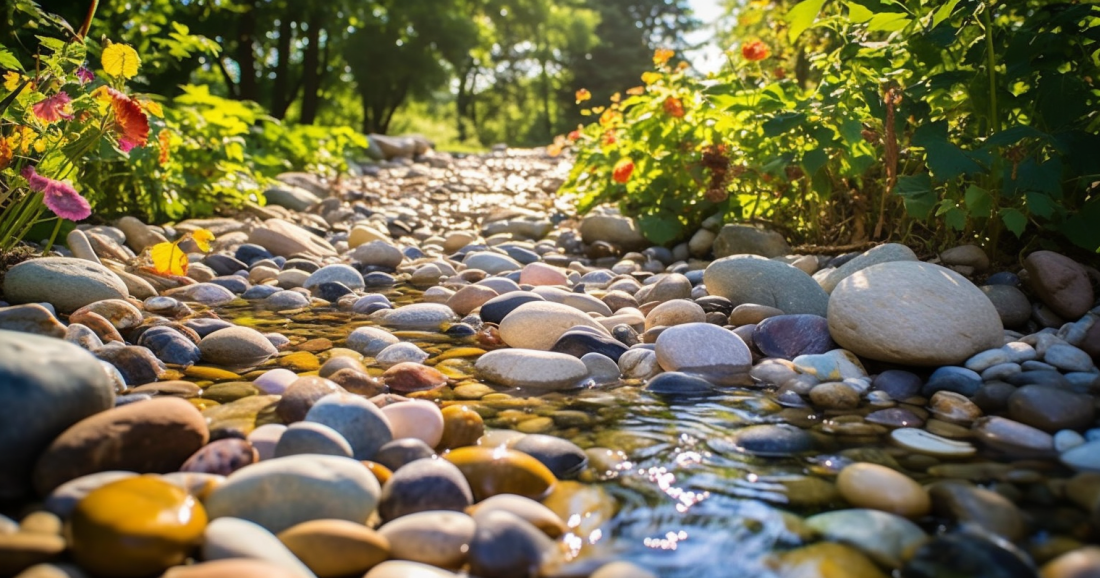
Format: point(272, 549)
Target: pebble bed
point(436, 369)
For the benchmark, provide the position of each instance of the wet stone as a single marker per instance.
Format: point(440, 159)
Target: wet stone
point(1051, 409)
point(399, 452)
point(773, 440)
point(564, 458)
point(424, 485)
point(788, 336)
point(968, 555)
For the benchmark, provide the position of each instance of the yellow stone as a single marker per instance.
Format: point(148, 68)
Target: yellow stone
point(381, 473)
point(825, 560)
point(536, 425)
point(211, 373)
point(300, 361)
point(462, 426)
point(451, 372)
point(458, 352)
point(878, 487)
point(136, 527)
point(586, 506)
point(335, 548)
point(23, 549)
point(472, 391)
point(203, 404)
point(492, 471)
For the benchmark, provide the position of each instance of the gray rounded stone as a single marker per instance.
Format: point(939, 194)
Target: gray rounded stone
point(378, 254)
point(68, 284)
point(282, 492)
point(535, 369)
point(752, 279)
point(736, 239)
point(46, 385)
point(370, 341)
point(337, 273)
point(882, 254)
point(359, 421)
point(704, 349)
point(236, 347)
point(306, 437)
point(419, 316)
point(424, 485)
point(539, 324)
point(912, 313)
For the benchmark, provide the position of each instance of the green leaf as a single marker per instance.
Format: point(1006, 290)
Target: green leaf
point(1014, 220)
point(1081, 228)
point(916, 191)
point(782, 122)
point(1013, 135)
point(858, 14)
point(944, 12)
point(661, 229)
point(9, 61)
point(813, 160)
point(888, 22)
point(978, 201)
point(945, 160)
point(51, 44)
point(955, 218)
point(1040, 204)
point(802, 16)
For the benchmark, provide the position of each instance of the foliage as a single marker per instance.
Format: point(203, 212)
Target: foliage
point(169, 259)
point(933, 120)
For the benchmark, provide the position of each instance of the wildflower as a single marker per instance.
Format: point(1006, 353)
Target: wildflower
point(583, 95)
point(59, 197)
point(636, 91)
point(610, 117)
point(651, 77)
point(164, 139)
point(755, 51)
point(661, 56)
point(575, 135)
point(130, 120)
point(674, 107)
point(622, 171)
point(609, 137)
point(54, 108)
point(12, 80)
point(126, 145)
point(85, 75)
point(6, 153)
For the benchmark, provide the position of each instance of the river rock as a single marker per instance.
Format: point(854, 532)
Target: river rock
point(1062, 283)
point(533, 512)
point(370, 341)
point(135, 527)
point(773, 440)
point(336, 548)
point(439, 538)
point(31, 318)
point(230, 539)
point(46, 385)
point(539, 325)
point(505, 546)
point(306, 487)
point(406, 569)
point(877, 487)
point(753, 279)
point(493, 471)
point(881, 254)
point(704, 349)
point(1011, 304)
point(416, 418)
point(736, 239)
point(359, 421)
point(336, 273)
point(967, 504)
point(1083, 458)
point(1080, 563)
point(291, 197)
point(418, 316)
point(562, 457)
point(424, 485)
point(1051, 409)
point(236, 347)
point(221, 457)
point(1013, 438)
point(965, 554)
point(612, 228)
point(68, 284)
point(788, 336)
point(119, 439)
point(885, 537)
point(306, 437)
point(535, 369)
point(912, 313)
point(287, 240)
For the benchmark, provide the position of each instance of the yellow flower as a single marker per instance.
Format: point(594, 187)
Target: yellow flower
point(152, 108)
point(12, 80)
point(661, 56)
point(651, 77)
point(583, 95)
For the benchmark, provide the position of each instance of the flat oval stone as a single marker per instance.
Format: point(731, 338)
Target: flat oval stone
point(533, 512)
point(418, 316)
point(880, 488)
point(1051, 409)
point(71, 283)
point(462, 426)
point(406, 569)
point(424, 485)
point(301, 395)
point(580, 343)
point(773, 440)
point(370, 341)
point(1083, 458)
point(752, 279)
point(539, 325)
point(229, 568)
point(359, 421)
point(1014, 438)
point(233, 538)
point(926, 443)
point(408, 377)
point(704, 349)
point(967, 504)
point(308, 487)
point(535, 369)
point(334, 548)
point(416, 419)
point(887, 538)
point(675, 383)
point(439, 538)
point(135, 527)
point(221, 457)
point(562, 457)
point(492, 471)
point(118, 439)
point(399, 452)
point(236, 347)
point(788, 336)
point(306, 437)
point(505, 545)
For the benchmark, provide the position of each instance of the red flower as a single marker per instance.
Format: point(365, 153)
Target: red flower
point(622, 171)
point(130, 120)
point(575, 135)
point(674, 107)
point(54, 108)
point(755, 50)
point(609, 138)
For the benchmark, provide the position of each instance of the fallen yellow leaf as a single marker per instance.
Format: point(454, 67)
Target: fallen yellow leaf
point(169, 259)
point(202, 238)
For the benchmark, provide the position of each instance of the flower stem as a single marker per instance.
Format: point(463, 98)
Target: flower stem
point(991, 66)
point(53, 237)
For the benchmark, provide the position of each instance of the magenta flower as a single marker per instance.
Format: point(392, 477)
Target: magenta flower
point(126, 145)
point(85, 75)
point(59, 197)
point(54, 108)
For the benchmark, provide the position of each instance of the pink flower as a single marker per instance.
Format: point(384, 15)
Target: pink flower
point(54, 108)
point(84, 75)
point(126, 145)
point(59, 197)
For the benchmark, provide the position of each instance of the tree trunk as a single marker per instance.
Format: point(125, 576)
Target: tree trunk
point(281, 97)
point(311, 73)
point(247, 86)
point(543, 57)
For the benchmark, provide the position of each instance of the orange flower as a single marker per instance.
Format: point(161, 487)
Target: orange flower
point(163, 139)
point(755, 50)
point(609, 137)
point(636, 91)
point(622, 171)
point(674, 107)
point(5, 153)
point(583, 95)
point(609, 117)
point(661, 56)
point(575, 135)
point(131, 121)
